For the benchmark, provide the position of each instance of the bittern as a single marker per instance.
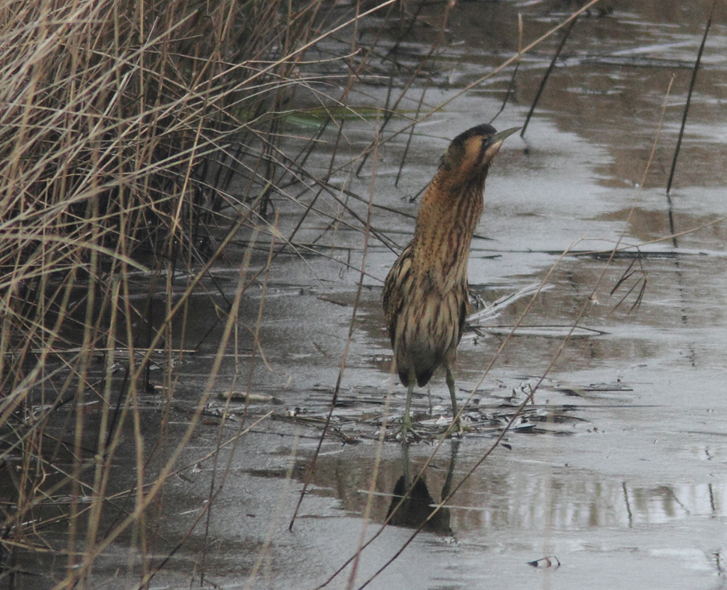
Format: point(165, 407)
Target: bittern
point(426, 297)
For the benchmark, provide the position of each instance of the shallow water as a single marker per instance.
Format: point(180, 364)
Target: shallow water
point(619, 471)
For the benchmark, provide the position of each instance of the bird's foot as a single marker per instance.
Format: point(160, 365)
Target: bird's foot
point(459, 429)
point(407, 433)
point(477, 299)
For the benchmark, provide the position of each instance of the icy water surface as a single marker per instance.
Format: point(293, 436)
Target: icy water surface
point(618, 470)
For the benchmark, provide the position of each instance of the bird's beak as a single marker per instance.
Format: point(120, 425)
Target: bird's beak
point(494, 143)
point(498, 138)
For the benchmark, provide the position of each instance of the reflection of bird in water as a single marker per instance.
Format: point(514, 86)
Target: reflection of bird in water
point(411, 508)
point(426, 291)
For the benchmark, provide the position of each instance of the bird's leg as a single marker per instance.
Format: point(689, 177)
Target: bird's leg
point(450, 384)
point(406, 426)
point(406, 423)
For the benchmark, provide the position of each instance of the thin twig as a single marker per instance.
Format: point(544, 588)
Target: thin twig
point(544, 81)
point(689, 100)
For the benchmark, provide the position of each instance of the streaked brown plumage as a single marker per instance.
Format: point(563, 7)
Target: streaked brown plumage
point(426, 291)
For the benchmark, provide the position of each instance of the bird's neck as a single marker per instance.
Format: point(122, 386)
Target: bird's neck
point(444, 229)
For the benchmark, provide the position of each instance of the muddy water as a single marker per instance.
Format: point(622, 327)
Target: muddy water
point(619, 469)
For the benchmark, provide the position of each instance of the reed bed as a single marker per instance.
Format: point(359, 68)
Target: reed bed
point(137, 140)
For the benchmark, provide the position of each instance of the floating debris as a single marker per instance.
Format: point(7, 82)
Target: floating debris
point(248, 397)
point(546, 562)
point(541, 331)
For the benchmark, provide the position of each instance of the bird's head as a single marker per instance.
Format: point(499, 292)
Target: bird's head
point(471, 153)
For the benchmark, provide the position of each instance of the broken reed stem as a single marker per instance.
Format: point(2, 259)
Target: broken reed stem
point(692, 82)
point(544, 81)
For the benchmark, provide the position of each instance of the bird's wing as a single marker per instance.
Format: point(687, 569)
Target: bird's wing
point(464, 309)
point(395, 288)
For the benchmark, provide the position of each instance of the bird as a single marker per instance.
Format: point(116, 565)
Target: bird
point(426, 292)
